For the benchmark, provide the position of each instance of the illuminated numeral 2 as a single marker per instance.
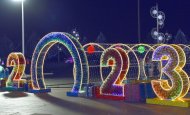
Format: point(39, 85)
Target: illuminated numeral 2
point(18, 62)
point(119, 60)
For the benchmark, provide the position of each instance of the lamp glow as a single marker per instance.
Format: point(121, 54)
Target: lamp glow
point(18, 0)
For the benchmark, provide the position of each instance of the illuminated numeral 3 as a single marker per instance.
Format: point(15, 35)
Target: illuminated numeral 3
point(179, 84)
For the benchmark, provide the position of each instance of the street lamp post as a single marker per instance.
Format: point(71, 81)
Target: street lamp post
point(23, 51)
point(139, 22)
point(22, 3)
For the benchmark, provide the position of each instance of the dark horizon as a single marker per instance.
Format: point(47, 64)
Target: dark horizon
point(116, 19)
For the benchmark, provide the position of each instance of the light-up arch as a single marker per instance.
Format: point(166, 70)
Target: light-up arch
point(133, 55)
point(94, 44)
point(93, 52)
point(149, 52)
point(76, 50)
point(141, 56)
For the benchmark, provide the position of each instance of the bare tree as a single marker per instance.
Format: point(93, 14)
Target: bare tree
point(180, 38)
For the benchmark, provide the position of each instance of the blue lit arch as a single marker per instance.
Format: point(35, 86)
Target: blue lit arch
point(76, 50)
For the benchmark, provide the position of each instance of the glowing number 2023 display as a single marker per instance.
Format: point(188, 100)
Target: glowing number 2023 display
point(173, 83)
point(179, 84)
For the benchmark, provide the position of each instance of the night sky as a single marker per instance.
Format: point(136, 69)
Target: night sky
point(117, 19)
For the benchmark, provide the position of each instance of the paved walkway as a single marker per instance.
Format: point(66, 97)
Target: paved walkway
point(57, 103)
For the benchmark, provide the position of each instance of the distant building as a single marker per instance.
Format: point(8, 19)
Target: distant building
point(180, 38)
point(101, 38)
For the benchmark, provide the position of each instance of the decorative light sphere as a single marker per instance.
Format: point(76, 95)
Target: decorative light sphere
point(74, 32)
point(160, 17)
point(160, 38)
point(91, 49)
point(154, 12)
point(161, 23)
point(155, 33)
point(141, 49)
